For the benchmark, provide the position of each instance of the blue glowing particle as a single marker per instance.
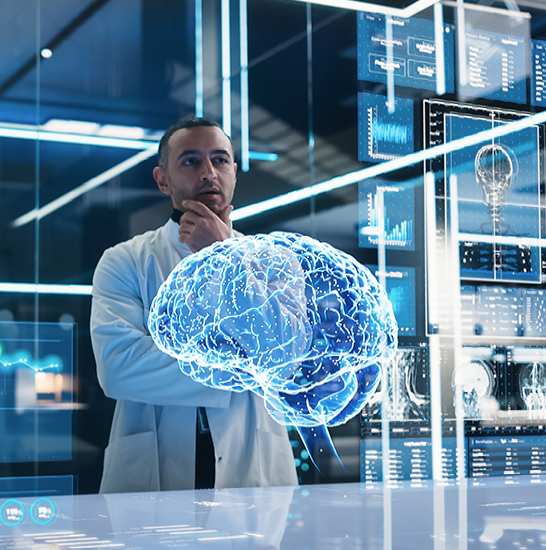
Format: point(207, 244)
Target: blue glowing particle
point(294, 320)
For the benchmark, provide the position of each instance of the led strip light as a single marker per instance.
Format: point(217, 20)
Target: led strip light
point(20, 131)
point(38, 214)
point(31, 288)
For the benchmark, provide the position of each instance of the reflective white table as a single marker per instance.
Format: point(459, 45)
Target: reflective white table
point(490, 515)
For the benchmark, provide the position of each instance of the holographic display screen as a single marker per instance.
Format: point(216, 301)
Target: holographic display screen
point(496, 66)
point(30, 504)
point(36, 398)
point(496, 57)
point(382, 135)
point(399, 209)
point(503, 311)
point(538, 72)
point(414, 51)
point(498, 201)
point(507, 455)
point(410, 461)
point(400, 283)
point(498, 311)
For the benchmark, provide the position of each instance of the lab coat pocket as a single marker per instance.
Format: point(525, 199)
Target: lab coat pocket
point(275, 454)
point(131, 464)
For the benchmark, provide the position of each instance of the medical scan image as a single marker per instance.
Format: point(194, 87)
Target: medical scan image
point(473, 385)
point(406, 388)
point(498, 195)
point(292, 319)
point(532, 387)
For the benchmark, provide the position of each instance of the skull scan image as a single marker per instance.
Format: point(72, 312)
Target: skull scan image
point(532, 387)
point(495, 167)
point(474, 382)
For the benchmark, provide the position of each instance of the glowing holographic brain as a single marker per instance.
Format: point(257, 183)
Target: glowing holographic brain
point(292, 319)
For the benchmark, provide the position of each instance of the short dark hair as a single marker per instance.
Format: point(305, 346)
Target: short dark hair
point(187, 122)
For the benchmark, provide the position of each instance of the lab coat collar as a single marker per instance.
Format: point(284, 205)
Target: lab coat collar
point(172, 231)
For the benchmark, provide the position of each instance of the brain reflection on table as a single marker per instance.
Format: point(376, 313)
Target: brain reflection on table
point(294, 320)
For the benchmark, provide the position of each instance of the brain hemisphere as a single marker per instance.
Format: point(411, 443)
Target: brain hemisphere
point(290, 318)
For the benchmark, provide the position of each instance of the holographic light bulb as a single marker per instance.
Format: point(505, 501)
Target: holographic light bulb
point(494, 171)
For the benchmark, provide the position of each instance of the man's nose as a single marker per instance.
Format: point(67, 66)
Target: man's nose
point(207, 169)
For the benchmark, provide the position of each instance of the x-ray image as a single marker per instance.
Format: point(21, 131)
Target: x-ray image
point(408, 396)
point(473, 384)
point(498, 188)
point(532, 387)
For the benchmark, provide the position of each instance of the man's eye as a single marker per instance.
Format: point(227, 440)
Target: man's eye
point(220, 160)
point(188, 162)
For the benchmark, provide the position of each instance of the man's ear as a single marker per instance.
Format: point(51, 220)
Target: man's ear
point(161, 178)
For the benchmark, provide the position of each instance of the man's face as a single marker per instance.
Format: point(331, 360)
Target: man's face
point(200, 167)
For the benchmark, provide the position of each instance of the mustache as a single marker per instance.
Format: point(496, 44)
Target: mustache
point(207, 189)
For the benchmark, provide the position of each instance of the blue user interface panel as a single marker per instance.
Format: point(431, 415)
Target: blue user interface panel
point(400, 282)
point(410, 461)
point(496, 66)
point(383, 135)
point(29, 504)
point(503, 311)
point(499, 211)
point(414, 51)
point(538, 72)
point(399, 213)
point(36, 367)
point(510, 455)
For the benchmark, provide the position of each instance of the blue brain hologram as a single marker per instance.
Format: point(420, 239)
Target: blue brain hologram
point(292, 319)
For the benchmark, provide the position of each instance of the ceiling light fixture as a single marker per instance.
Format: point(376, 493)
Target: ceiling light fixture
point(257, 155)
point(124, 132)
point(23, 131)
point(83, 133)
point(70, 126)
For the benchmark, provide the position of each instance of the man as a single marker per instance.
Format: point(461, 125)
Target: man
point(164, 422)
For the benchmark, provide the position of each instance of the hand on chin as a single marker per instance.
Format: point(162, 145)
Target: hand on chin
point(201, 224)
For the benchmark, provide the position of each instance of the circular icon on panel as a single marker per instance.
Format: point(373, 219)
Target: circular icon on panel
point(42, 511)
point(12, 512)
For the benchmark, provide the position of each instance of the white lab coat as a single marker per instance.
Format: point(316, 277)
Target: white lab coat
point(152, 441)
